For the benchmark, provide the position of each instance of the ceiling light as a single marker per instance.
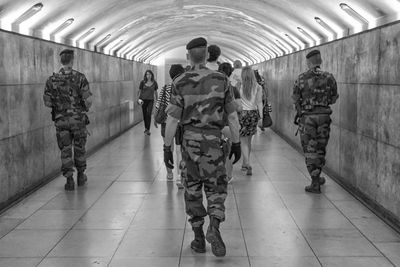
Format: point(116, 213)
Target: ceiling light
point(346, 8)
point(26, 15)
point(326, 27)
point(86, 34)
point(63, 26)
point(306, 34)
point(103, 40)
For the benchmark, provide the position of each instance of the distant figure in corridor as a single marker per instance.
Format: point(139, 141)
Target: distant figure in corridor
point(251, 114)
point(147, 94)
point(313, 93)
point(213, 52)
point(163, 100)
point(200, 101)
point(236, 76)
point(67, 94)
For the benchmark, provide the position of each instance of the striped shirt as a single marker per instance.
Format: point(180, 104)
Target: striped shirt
point(164, 97)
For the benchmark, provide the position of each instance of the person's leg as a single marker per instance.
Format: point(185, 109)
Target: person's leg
point(170, 175)
point(79, 141)
point(144, 112)
point(245, 151)
point(179, 167)
point(323, 132)
point(193, 195)
point(216, 190)
point(64, 141)
point(249, 168)
point(149, 112)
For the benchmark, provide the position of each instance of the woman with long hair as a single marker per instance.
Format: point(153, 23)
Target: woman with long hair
point(252, 110)
point(147, 94)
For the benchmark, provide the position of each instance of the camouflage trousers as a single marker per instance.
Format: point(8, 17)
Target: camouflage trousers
point(203, 164)
point(314, 136)
point(71, 135)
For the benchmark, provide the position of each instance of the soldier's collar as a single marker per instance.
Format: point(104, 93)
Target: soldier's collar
point(65, 70)
point(198, 67)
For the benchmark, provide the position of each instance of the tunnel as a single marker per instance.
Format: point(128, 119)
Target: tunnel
point(129, 214)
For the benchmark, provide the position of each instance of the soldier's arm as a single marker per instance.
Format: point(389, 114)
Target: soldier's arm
point(333, 85)
point(296, 96)
point(47, 96)
point(170, 129)
point(86, 94)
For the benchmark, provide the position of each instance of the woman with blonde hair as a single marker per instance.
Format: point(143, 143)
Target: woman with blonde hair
point(252, 110)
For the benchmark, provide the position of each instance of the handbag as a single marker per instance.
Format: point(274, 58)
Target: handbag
point(161, 116)
point(267, 121)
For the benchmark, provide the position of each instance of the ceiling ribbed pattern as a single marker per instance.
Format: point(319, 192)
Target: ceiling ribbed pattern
point(250, 30)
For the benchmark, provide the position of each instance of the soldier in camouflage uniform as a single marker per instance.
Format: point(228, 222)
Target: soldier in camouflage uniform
point(67, 94)
point(200, 99)
point(313, 93)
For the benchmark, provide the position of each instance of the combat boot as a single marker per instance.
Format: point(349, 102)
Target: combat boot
point(314, 187)
point(322, 180)
point(82, 179)
point(214, 238)
point(199, 242)
point(69, 185)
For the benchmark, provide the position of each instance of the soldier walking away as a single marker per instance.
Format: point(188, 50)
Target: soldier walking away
point(313, 93)
point(67, 94)
point(200, 101)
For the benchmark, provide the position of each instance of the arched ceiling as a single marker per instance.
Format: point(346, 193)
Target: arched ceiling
point(250, 30)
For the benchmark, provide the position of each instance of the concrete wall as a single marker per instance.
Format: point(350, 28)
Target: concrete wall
point(364, 147)
point(28, 149)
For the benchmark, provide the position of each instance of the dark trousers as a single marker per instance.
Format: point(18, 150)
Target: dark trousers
point(147, 108)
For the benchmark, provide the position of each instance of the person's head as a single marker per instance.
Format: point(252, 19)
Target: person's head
point(67, 57)
point(197, 50)
point(213, 53)
point(248, 81)
point(314, 59)
point(176, 70)
point(148, 76)
point(225, 68)
point(237, 64)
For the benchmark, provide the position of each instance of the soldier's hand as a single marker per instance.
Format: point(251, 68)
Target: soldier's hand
point(235, 150)
point(168, 157)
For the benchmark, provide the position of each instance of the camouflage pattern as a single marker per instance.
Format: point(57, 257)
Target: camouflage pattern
point(68, 94)
point(200, 99)
point(314, 136)
point(203, 163)
point(313, 93)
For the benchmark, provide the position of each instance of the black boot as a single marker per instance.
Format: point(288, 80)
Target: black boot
point(214, 237)
point(69, 185)
point(322, 180)
point(314, 187)
point(82, 179)
point(199, 242)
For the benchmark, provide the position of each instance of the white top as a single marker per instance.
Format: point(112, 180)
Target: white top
point(212, 65)
point(236, 77)
point(251, 104)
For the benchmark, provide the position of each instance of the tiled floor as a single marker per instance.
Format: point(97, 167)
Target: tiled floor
point(129, 215)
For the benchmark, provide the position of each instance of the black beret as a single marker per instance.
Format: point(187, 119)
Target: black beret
point(175, 70)
point(197, 42)
point(67, 51)
point(313, 53)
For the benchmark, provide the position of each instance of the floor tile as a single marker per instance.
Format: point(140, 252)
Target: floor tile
point(29, 243)
point(7, 225)
point(339, 242)
point(162, 219)
point(129, 188)
point(376, 230)
point(112, 219)
point(355, 261)
point(24, 209)
point(149, 261)
point(320, 219)
point(212, 261)
point(284, 261)
point(391, 250)
point(19, 262)
point(52, 219)
point(74, 262)
point(150, 243)
point(88, 243)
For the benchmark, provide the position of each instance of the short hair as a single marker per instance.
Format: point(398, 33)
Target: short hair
point(198, 54)
point(66, 58)
point(225, 68)
point(237, 64)
point(214, 52)
point(176, 70)
point(315, 60)
point(152, 75)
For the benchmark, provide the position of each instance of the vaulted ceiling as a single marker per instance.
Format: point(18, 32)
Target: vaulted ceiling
point(142, 30)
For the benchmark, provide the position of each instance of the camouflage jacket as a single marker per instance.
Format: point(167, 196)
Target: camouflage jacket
point(67, 93)
point(314, 91)
point(200, 98)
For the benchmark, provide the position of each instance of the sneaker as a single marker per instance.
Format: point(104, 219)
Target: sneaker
point(147, 132)
point(170, 176)
point(229, 179)
point(179, 184)
point(249, 170)
point(244, 168)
